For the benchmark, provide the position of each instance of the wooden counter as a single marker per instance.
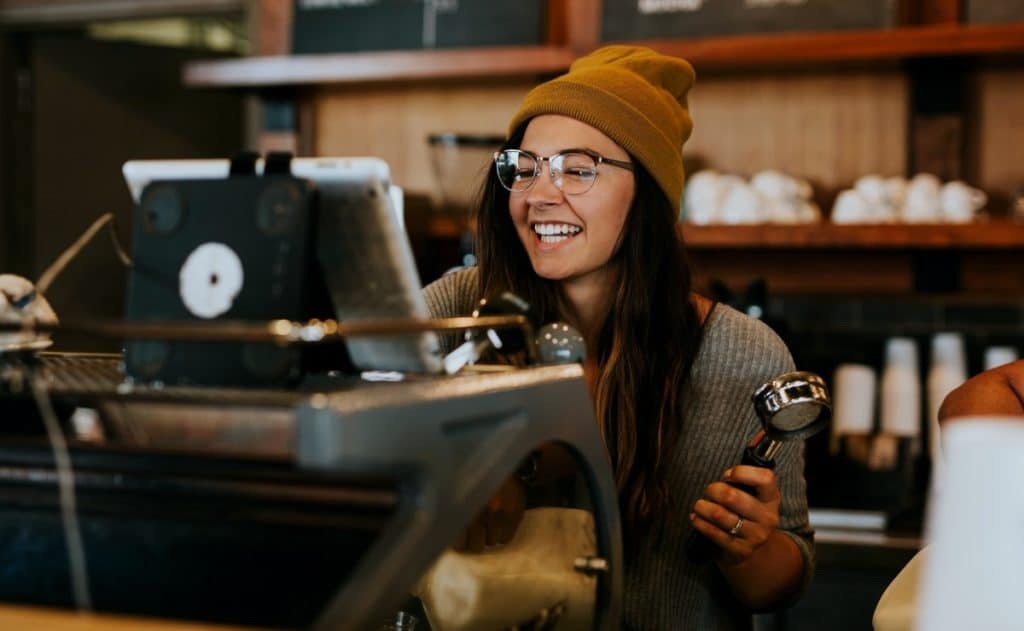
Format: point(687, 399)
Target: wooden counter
point(40, 619)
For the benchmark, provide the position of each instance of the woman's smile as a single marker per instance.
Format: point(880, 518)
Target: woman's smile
point(550, 236)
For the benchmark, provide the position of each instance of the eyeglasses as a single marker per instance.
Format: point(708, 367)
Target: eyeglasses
point(573, 171)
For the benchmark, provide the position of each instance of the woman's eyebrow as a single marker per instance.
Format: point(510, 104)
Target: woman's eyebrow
point(568, 150)
point(579, 150)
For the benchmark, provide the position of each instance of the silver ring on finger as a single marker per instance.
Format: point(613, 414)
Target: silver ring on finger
point(735, 530)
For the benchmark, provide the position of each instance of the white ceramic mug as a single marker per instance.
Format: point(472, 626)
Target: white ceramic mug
point(809, 212)
point(773, 184)
point(743, 205)
point(850, 207)
point(961, 202)
point(922, 203)
point(872, 189)
point(703, 197)
point(777, 185)
point(896, 192)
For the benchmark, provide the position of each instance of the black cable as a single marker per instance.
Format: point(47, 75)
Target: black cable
point(66, 486)
point(55, 268)
point(77, 564)
point(119, 250)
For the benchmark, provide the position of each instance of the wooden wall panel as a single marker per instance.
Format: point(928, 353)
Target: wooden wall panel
point(831, 128)
point(933, 11)
point(994, 272)
point(394, 121)
point(828, 127)
point(806, 272)
point(127, 104)
point(998, 147)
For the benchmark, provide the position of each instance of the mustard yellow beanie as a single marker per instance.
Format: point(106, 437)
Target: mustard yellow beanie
point(636, 96)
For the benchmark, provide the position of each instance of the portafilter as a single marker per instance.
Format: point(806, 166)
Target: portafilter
point(793, 406)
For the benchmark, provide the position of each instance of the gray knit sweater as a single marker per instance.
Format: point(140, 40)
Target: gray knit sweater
point(663, 590)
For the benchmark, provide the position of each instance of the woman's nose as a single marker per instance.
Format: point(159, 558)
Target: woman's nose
point(544, 191)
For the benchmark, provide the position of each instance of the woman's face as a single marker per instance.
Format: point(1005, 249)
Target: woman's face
point(592, 221)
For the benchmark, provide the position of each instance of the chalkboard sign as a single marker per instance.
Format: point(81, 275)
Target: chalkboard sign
point(988, 11)
point(645, 19)
point(324, 26)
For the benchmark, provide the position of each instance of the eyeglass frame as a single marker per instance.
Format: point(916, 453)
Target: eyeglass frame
point(595, 156)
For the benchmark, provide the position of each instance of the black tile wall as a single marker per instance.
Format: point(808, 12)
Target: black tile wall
point(827, 331)
point(904, 315)
point(823, 332)
point(813, 312)
point(991, 317)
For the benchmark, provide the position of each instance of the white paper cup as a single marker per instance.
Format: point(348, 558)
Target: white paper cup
point(853, 399)
point(999, 356)
point(899, 408)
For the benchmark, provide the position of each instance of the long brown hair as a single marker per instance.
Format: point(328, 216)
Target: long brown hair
point(645, 347)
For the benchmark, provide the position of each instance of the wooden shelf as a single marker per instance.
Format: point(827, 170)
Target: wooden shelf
point(20, 13)
point(710, 53)
point(982, 235)
point(412, 65)
point(846, 46)
point(999, 235)
point(443, 226)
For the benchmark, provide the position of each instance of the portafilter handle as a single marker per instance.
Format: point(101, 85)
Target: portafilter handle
point(793, 406)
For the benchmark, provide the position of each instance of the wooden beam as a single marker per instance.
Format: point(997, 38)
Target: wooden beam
point(714, 53)
point(940, 12)
point(989, 235)
point(272, 27)
point(556, 33)
point(583, 24)
point(35, 617)
point(839, 46)
point(29, 12)
point(380, 66)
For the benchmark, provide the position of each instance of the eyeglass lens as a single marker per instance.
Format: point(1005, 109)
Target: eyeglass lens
point(573, 173)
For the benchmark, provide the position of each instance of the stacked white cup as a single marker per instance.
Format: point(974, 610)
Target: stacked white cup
point(922, 199)
point(900, 406)
point(948, 371)
point(999, 356)
point(769, 197)
point(853, 404)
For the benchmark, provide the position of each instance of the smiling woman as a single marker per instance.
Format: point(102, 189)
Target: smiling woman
point(593, 242)
point(550, 207)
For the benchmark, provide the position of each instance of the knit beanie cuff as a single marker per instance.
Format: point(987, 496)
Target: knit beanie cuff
point(646, 120)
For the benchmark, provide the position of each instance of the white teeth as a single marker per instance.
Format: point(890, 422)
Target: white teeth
point(553, 238)
point(555, 228)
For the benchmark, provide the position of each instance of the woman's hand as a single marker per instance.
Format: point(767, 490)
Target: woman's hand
point(497, 522)
point(724, 506)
